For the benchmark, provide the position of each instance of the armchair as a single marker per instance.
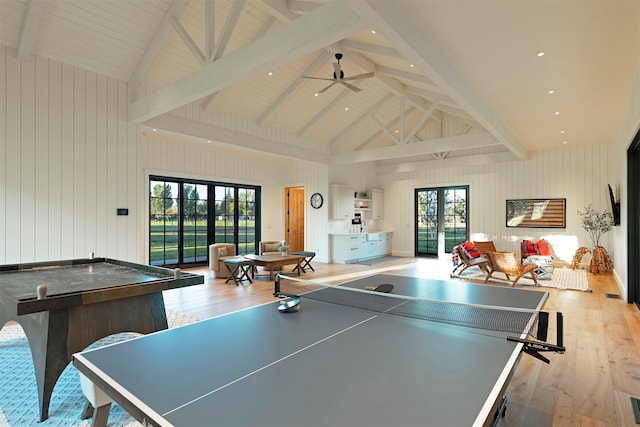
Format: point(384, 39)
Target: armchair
point(218, 252)
point(463, 259)
point(485, 247)
point(507, 264)
point(269, 247)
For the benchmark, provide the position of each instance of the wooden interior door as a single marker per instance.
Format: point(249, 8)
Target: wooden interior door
point(294, 217)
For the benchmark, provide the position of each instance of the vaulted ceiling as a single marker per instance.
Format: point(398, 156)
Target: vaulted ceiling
point(450, 78)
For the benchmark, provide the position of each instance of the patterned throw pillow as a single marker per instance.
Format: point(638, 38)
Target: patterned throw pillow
point(471, 249)
point(223, 251)
point(540, 247)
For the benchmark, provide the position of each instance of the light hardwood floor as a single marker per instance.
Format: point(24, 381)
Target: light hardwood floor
point(590, 385)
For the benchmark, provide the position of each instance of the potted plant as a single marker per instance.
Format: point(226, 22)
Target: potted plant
point(284, 248)
point(595, 224)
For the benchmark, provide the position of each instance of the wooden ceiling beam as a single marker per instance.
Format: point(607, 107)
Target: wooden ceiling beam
point(311, 69)
point(175, 10)
point(454, 143)
point(325, 25)
point(406, 35)
point(30, 28)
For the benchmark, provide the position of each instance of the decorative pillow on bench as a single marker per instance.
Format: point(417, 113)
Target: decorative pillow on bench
point(470, 249)
point(541, 247)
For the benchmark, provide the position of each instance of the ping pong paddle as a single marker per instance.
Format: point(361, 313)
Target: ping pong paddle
point(289, 305)
point(385, 288)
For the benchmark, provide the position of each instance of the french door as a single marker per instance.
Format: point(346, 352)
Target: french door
point(186, 216)
point(441, 219)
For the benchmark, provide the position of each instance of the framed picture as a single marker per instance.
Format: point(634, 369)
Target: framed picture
point(536, 213)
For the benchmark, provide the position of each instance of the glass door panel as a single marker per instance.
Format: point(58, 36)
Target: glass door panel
point(194, 222)
point(163, 223)
point(455, 217)
point(441, 219)
point(427, 222)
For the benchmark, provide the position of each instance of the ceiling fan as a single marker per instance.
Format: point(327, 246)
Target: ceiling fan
point(338, 77)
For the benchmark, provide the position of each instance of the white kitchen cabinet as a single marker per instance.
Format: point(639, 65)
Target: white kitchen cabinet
point(347, 248)
point(341, 201)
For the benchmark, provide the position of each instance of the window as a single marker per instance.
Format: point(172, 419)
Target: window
point(186, 216)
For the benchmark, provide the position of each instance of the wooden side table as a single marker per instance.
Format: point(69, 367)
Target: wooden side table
point(239, 269)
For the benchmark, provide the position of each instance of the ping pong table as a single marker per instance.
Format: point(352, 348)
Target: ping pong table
point(326, 364)
point(85, 300)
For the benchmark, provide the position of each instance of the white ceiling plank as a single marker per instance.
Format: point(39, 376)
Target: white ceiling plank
point(433, 96)
point(421, 122)
point(209, 102)
point(175, 10)
point(209, 28)
point(333, 104)
point(406, 36)
point(180, 126)
point(188, 41)
point(30, 29)
point(385, 130)
point(360, 119)
point(325, 25)
point(370, 48)
point(311, 69)
point(462, 142)
point(227, 29)
point(301, 7)
point(412, 77)
point(441, 163)
point(388, 125)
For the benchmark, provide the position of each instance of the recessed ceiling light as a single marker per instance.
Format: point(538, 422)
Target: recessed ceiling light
point(209, 141)
point(541, 53)
point(373, 31)
point(316, 94)
point(396, 131)
point(154, 129)
point(564, 142)
point(346, 108)
point(561, 131)
point(411, 65)
point(271, 73)
point(550, 91)
point(557, 113)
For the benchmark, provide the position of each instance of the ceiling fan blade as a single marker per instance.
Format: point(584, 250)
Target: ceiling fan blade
point(361, 76)
point(325, 89)
point(350, 86)
point(316, 78)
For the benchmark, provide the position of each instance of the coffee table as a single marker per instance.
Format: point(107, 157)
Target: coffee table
point(274, 261)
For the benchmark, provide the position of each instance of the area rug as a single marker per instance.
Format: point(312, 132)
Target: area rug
point(18, 394)
point(563, 278)
point(386, 260)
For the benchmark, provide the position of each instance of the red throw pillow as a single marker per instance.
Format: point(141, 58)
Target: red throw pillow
point(543, 248)
point(528, 247)
point(471, 249)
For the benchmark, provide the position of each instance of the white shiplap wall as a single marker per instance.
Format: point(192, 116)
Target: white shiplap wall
point(69, 159)
point(577, 173)
point(170, 156)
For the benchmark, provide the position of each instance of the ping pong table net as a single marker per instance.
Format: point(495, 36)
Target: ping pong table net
point(485, 317)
